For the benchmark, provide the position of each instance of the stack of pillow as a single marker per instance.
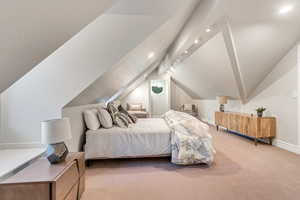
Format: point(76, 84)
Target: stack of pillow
point(114, 114)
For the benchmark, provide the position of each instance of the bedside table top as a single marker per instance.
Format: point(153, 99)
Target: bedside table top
point(42, 171)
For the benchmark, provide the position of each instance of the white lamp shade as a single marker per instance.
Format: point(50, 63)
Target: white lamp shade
point(56, 131)
point(223, 100)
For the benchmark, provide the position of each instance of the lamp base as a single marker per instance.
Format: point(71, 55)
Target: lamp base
point(222, 108)
point(57, 153)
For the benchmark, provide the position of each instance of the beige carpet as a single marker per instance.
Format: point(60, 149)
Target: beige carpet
point(241, 171)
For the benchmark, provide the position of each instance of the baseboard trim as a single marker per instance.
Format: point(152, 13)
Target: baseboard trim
point(207, 121)
point(287, 146)
point(281, 144)
point(21, 145)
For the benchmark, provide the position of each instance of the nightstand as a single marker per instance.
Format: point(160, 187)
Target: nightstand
point(43, 181)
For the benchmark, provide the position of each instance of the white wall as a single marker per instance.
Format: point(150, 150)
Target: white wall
point(142, 93)
point(178, 96)
point(31, 30)
point(136, 62)
point(1, 136)
point(277, 93)
point(298, 92)
point(139, 95)
point(44, 91)
point(207, 109)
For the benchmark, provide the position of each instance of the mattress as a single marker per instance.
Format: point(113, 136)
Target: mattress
point(148, 137)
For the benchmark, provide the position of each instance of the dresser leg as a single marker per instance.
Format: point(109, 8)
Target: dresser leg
point(271, 141)
point(255, 141)
point(88, 163)
point(217, 127)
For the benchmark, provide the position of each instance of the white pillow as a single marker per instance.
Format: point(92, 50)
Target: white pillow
point(105, 118)
point(91, 119)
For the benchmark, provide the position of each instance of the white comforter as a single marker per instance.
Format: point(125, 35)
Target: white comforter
point(190, 139)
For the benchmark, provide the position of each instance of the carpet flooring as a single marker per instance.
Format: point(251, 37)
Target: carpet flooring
point(242, 171)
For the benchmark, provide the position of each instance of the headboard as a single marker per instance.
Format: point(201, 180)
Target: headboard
point(77, 125)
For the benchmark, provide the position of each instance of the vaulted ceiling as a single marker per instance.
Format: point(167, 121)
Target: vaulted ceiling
point(207, 72)
point(256, 35)
point(31, 30)
point(60, 53)
point(253, 41)
point(244, 44)
point(136, 63)
point(115, 46)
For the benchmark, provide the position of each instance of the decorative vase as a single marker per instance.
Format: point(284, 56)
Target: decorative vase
point(57, 153)
point(259, 114)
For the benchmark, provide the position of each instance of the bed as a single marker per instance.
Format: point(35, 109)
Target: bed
point(178, 134)
point(147, 138)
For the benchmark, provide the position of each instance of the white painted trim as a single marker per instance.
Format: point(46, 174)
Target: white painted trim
point(206, 121)
point(21, 145)
point(287, 146)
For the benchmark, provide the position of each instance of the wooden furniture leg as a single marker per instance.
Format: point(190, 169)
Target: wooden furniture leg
point(255, 141)
point(88, 163)
point(270, 141)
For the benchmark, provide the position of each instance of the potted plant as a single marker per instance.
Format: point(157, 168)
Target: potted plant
point(260, 111)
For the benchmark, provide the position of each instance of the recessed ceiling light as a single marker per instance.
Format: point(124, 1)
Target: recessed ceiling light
point(208, 30)
point(172, 69)
point(186, 51)
point(196, 41)
point(150, 55)
point(285, 9)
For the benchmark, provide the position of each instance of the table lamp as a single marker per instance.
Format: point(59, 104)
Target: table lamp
point(222, 101)
point(54, 133)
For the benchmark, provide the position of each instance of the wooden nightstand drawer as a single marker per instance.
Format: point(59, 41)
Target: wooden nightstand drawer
point(25, 191)
point(65, 182)
point(72, 195)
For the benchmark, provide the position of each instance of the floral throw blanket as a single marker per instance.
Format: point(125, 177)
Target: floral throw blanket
point(191, 141)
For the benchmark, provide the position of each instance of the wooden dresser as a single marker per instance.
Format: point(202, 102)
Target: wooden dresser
point(251, 126)
point(43, 181)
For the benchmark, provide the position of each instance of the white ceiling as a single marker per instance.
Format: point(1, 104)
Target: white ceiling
point(261, 36)
point(136, 62)
point(31, 30)
point(146, 7)
point(208, 72)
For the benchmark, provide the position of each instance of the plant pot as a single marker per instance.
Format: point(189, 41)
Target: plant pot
point(259, 114)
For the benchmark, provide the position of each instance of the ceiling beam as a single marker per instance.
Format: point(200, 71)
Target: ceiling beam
point(235, 64)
